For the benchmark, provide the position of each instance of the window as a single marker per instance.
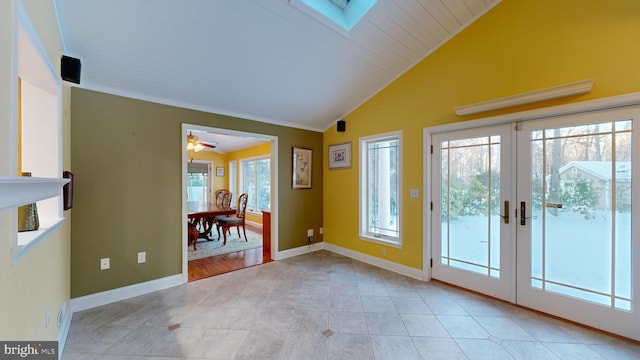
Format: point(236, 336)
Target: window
point(342, 4)
point(340, 15)
point(233, 175)
point(198, 182)
point(256, 183)
point(380, 179)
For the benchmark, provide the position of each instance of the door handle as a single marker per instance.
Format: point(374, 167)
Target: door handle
point(505, 217)
point(523, 219)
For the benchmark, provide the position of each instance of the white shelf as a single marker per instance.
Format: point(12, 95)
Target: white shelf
point(20, 190)
point(576, 88)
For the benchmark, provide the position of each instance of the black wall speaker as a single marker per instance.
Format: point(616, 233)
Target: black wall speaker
point(341, 126)
point(67, 190)
point(70, 69)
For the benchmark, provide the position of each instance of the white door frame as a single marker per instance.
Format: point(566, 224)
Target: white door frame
point(274, 187)
point(573, 108)
point(562, 110)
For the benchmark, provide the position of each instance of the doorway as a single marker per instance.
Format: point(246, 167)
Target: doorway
point(539, 213)
point(225, 146)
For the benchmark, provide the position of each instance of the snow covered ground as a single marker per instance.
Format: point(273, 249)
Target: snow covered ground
point(578, 251)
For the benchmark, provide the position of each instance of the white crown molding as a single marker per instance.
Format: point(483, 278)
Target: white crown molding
point(20, 190)
point(576, 88)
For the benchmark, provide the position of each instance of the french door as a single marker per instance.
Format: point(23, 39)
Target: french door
point(549, 228)
point(472, 184)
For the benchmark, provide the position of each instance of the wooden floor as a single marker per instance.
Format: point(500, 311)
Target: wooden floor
point(220, 264)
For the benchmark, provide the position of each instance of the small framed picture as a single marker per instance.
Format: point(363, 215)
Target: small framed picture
point(301, 168)
point(219, 171)
point(340, 156)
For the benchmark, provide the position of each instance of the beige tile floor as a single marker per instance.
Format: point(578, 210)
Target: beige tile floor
point(325, 306)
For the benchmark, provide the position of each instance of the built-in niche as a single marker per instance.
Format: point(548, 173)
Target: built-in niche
point(37, 127)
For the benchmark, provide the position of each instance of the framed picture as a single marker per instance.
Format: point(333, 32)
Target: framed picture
point(219, 171)
point(340, 156)
point(301, 168)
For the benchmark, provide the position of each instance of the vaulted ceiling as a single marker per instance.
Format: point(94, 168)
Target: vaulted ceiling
point(265, 60)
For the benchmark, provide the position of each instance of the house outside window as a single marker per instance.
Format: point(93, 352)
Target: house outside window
point(256, 183)
point(380, 192)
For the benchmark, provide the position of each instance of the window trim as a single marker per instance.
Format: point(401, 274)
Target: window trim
point(363, 234)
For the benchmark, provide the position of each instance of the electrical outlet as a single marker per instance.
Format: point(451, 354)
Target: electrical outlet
point(414, 193)
point(47, 317)
point(321, 231)
point(142, 257)
point(383, 251)
point(105, 263)
point(309, 232)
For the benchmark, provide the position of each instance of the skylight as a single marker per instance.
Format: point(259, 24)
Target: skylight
point(342, 4)
point(345, 13)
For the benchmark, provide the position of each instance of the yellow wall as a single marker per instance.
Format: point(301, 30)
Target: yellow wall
point(41, 278)
point(519, 46)
point(255, 151)
point(219, 160)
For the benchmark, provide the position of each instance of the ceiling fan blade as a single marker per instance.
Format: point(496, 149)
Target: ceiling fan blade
point(208, 145)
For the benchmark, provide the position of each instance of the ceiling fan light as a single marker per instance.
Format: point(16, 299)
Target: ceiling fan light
point(198, 147)
point(190, 146)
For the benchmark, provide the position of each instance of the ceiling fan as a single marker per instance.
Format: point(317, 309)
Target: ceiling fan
point(195, 145)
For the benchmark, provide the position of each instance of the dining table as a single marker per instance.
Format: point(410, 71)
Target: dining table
point(200, 216)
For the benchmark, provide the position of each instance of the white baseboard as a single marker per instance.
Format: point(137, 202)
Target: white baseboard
point(64, 331)
point(368, 259)
point(123, 293)
point(383, 264)
point(253, 224)
point(280, 255)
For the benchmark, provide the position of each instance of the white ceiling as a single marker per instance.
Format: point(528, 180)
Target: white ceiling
point(225, 143)
point(264, 60)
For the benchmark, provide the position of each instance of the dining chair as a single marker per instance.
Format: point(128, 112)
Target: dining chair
point(237, 221)
point(192, 236)
point(223, 200)
point(226, 201)
point(220, 196)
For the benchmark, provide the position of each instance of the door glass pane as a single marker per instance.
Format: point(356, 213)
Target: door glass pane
point(470, 203)
point(622, 233)
point(581, 212)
